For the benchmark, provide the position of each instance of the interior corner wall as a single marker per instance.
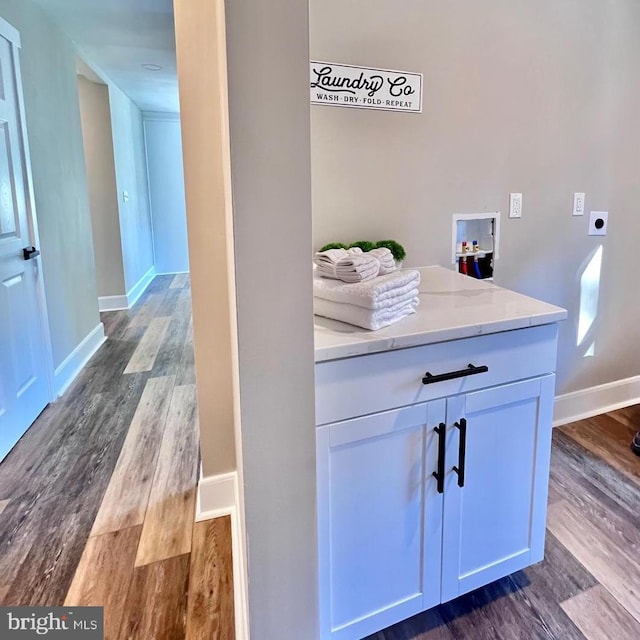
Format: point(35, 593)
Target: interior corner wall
point(202, 86)
point(49, 84)
point(131, 176)
point(539, 98)
point(103, 192)
point(268, 70)
point(166, 191)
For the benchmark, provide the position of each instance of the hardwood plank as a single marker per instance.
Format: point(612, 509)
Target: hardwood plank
point(168, 306)
point(186, 371)
point(116, 322)
point(616, 570)
point(629, 416)
point(3, 504)
point(609, 439)
point(15, 542)
point(179, 281)
point(524, 605)
point(46, 525)
point(30, 451)
point(599, 616)
point(157, 603)
point(145, 354)
point(429, 625)
point(614, 521)
point(148, 310)
point(210, 604)
point(160, 283)
point(168, 523)
point(127, 495)
point(584, 464)
point(57, 533)
point(557, 578)
point(104, 575)
point(169, 355)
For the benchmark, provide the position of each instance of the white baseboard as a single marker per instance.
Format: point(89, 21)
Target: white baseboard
point(593, 401)
point(170, 273)
point(112, 303)
point(139, 287)
point(67, 371)
point(218, 496)
point(118, 303)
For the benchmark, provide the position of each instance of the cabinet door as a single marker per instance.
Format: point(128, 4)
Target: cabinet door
point(379, 519)
point(495, 524)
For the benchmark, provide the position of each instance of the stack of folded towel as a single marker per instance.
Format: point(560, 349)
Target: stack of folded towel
point(371, 304)
point(385, 258)
point(352, 265)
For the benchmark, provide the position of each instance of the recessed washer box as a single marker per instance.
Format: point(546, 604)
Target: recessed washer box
point(483, 227)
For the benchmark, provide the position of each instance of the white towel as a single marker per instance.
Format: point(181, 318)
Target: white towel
point(326, 261)
point(385, 258)
point(357, 268)
point(366, 318)
point(378, 293)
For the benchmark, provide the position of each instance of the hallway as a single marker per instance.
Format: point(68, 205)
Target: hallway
point(97, 500)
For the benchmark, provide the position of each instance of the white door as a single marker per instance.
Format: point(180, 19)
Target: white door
point(379, 520)
point(495, 522)
point(23, 368)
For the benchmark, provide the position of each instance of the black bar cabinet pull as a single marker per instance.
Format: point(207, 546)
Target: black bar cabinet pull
point(471, 370)
point(28, 253)
point(462, 450)
point(441, 430)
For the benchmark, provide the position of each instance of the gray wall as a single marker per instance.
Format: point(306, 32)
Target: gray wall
point(101, 179)
point(267, 47)
point(166, 192)
point(62, 204)
point(131, 176)
point(535, 97)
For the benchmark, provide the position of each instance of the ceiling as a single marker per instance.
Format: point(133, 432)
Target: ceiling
point(117, 37)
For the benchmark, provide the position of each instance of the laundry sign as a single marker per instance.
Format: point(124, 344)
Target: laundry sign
point(344, 85)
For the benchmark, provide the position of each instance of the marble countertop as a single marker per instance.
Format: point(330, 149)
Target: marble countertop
point(452, 306)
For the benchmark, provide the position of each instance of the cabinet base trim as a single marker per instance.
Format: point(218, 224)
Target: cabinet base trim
point(593, 401)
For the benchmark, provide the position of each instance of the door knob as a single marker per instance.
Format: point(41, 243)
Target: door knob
point(30, 253)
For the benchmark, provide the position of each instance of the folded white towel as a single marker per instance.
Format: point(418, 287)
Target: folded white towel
point(385, 258)
point(326, 261)
point(366, 318)
point(379, 293)
point(357, 268)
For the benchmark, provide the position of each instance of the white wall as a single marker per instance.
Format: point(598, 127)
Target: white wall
point(103, 192)
point(519, 96)
point(131, 176)
point(267, 48)
point(57, 161)
point(166, 191)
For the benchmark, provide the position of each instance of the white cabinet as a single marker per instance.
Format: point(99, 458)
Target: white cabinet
point(495, 524)
point(390, 543)
point(380, 522)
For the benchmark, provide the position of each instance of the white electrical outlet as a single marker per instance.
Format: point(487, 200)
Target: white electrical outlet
point(125, 196)
point(515, 205)
point(598, 223)
point(578, 204)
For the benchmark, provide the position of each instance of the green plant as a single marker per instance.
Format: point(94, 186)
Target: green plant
point(333, 245)
point(365, 245)
point(396, 249)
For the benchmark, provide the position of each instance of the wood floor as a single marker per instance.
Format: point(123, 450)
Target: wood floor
point(97, 506)
point(97, 500)
point(588, 586)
